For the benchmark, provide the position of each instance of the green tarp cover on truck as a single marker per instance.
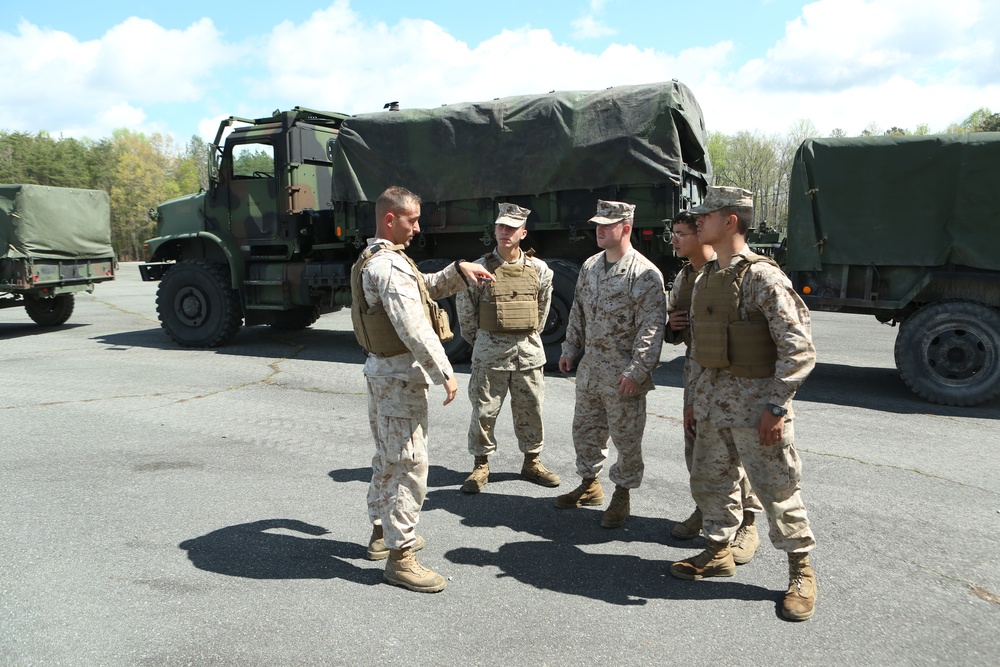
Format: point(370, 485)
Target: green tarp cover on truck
point(626, 135)
point(896, 201)
point(42, 222)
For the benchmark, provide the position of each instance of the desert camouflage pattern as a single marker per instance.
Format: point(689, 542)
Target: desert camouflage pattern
point(505, 362)
point(776, 474)
point(679, 298)
point(601, 414)
point(495, 349)
point(726, 400)
point(727, 409)
point(719, 196)
point(617, 321)
point(397, 390)
point(487, 390)
point(397, 414)
point(390, 280)
point(612, 212)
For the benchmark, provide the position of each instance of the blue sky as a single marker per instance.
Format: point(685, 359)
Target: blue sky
point(84, 69)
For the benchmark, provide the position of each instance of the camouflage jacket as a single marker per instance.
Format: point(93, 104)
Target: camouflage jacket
point(389, 279)
point(505, 351)
point(617, 321)
point(729, 401)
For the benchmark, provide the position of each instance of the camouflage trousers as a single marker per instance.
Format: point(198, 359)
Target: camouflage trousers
point(600, 414)
point(775, 472)
point(748, 498)
point(487, 390)
point(397, 414)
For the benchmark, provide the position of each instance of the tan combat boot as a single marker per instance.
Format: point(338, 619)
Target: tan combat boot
point(534, 471)
point(376, 544)
point(800, 600)
point(618, 510)
point(588, 493)
point(746, 541)
point(402, 569)
point(475, 482)
point(689, 528)
point(715, 561)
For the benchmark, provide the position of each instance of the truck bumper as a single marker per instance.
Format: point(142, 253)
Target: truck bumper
point(154, 270)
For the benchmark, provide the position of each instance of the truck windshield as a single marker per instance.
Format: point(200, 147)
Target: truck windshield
point(253, 161)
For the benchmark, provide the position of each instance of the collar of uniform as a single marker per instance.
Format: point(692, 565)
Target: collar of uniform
point(520, 260)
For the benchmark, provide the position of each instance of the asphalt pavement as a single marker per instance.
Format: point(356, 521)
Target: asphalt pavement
point(168, 506)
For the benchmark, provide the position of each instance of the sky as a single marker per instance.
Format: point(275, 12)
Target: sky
point(177, 67)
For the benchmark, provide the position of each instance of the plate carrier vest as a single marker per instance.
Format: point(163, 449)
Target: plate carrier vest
point(513, 297)
point(687, 275)
point(743, 347)
point(372, 326)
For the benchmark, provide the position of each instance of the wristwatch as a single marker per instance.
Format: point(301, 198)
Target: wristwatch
point(777, 410)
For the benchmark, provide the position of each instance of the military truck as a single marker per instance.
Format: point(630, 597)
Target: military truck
point(54, 243)
point(907, 229)
point(291, 199)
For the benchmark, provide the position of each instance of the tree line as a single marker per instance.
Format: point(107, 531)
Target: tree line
point(140, 171)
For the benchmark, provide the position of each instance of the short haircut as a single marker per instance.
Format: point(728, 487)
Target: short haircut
point(394, 200)
point(686, 218)
point(744, 217)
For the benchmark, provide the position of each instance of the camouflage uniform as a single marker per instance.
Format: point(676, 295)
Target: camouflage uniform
point(617, 321)
point(503, 362)
point(397, 391)
point(727, 409)
point(682, 283)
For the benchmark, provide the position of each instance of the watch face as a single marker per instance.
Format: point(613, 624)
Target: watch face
point(778, 411)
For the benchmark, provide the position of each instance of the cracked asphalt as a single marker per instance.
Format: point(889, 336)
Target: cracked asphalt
point(166, 506)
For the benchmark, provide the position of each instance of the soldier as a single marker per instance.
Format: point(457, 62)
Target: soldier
point(684, 238)
point(617, 321)
point(753, 348)
point(503, 321)
point(397, 322)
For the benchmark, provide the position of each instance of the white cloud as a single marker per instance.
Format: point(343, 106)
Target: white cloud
point(588, 27)
point(356, 66)
point(54, 81)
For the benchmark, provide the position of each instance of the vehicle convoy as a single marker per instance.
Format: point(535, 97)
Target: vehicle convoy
point(290, 202)
point(54, 242)
point(907, 229)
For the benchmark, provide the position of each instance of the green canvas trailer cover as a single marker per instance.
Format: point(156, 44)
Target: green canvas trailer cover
point(915, 201)
point(525, 145)
point(42, 222)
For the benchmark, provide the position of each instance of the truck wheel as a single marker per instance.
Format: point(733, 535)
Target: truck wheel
point(457, 349)
point(301, 317)
point(564, 277)
point(196, 305)
point(949, 352)
point(50, 312)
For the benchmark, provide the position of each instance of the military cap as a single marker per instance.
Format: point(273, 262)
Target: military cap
point(723, 197)
point(512, 215)
point(612, 212)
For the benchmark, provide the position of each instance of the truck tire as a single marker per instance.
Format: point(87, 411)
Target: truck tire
point(949, 352)
point(196, 305)
point(300, 317)
point(457, 349)
point(50, 312)
point(564, 277)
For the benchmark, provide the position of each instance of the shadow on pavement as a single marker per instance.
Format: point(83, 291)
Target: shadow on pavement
point(12, 330)
point(878, 389)
point(248, 550)
point(611, 578)
point(258, 341)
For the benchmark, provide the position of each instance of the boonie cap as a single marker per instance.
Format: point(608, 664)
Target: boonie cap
point(723, 197)
point(512, 215)
point(612, 212)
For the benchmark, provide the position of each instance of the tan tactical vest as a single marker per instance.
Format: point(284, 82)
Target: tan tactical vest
point(686, 276)
point(743, 347)
point(372, 326)
point(510, 304)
